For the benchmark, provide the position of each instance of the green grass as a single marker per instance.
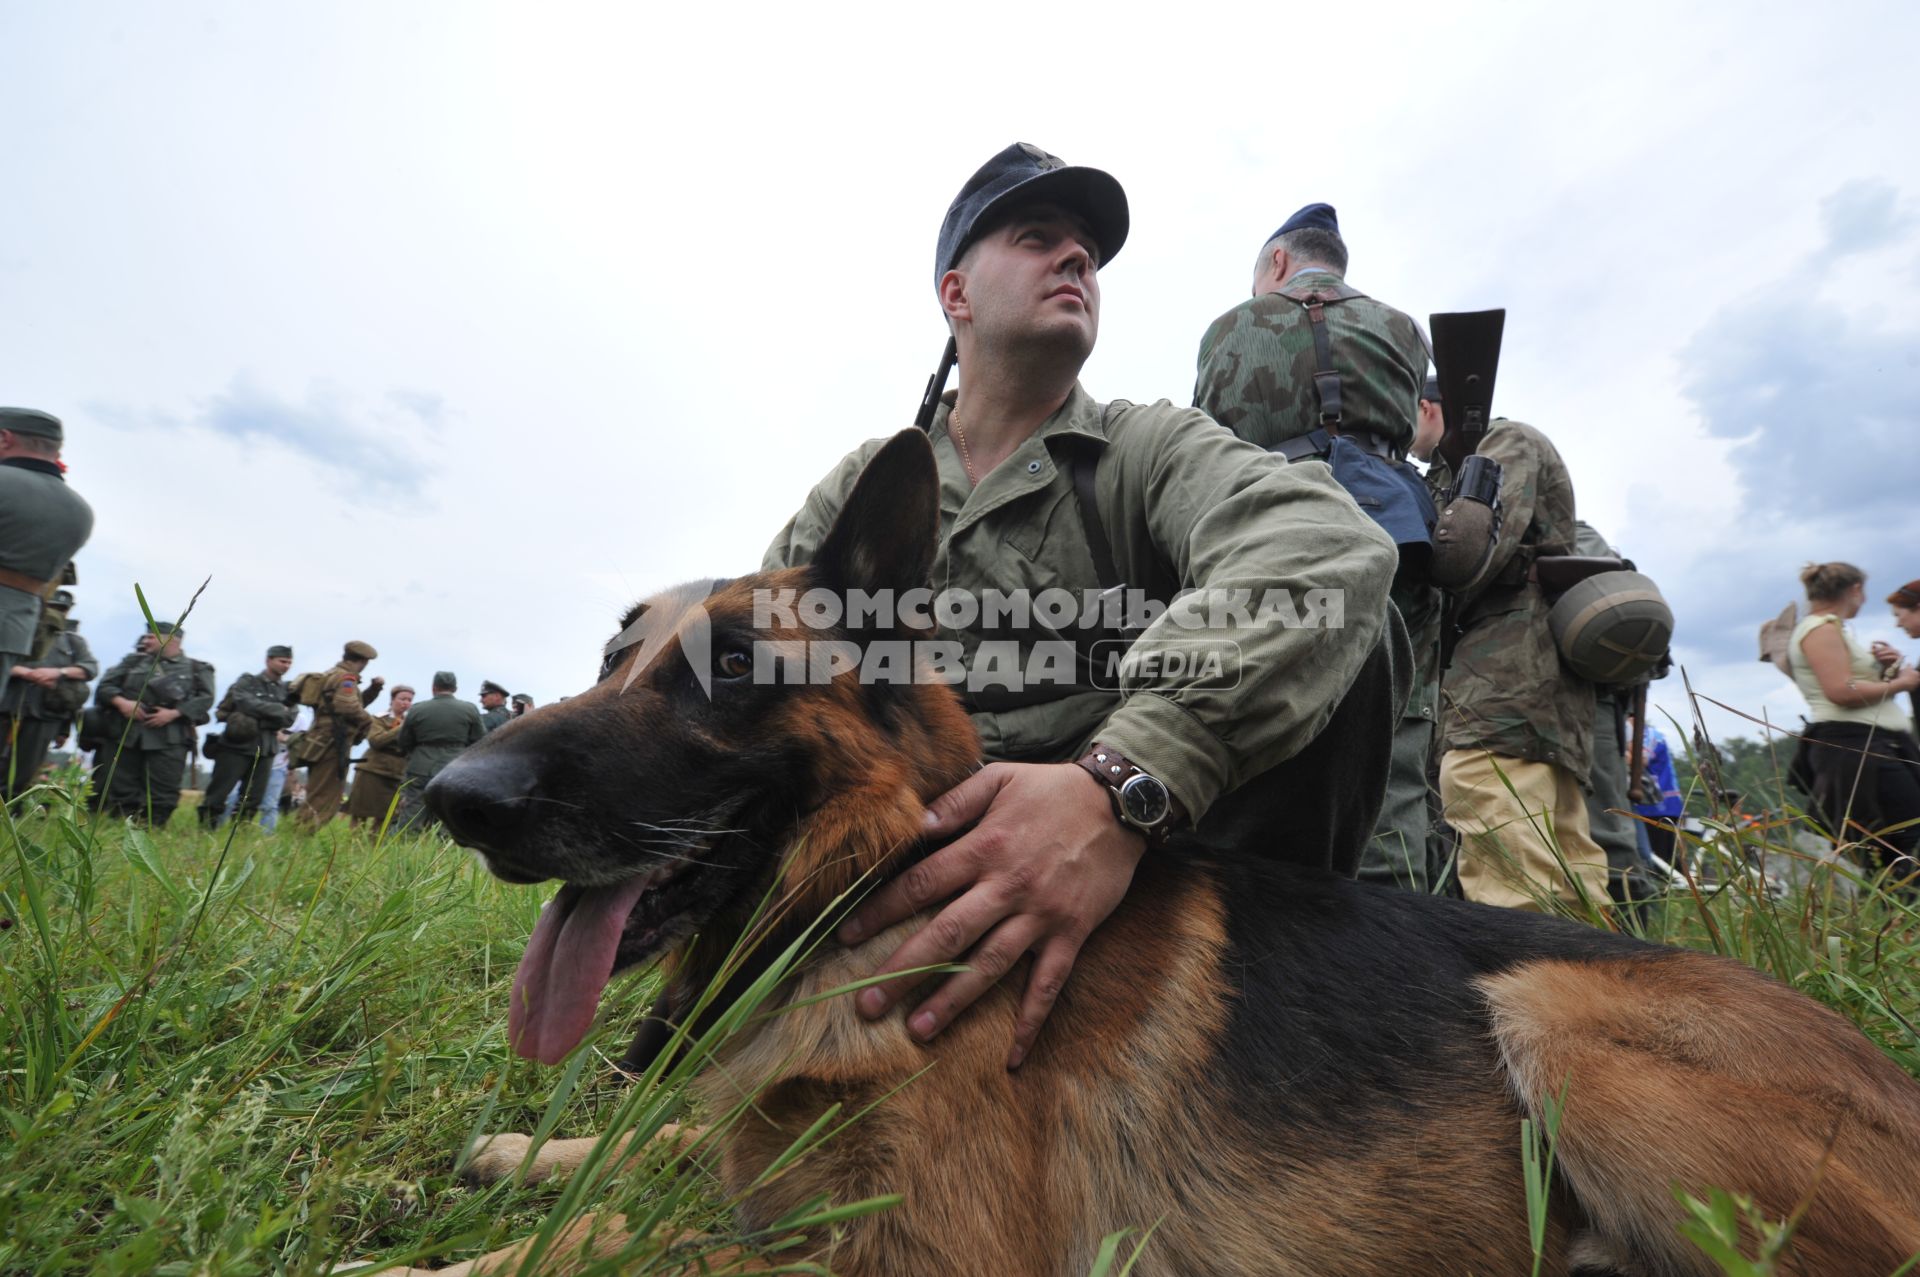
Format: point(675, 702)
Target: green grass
point(254, 1053)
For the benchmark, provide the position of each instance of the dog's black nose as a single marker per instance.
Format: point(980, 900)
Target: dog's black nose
point(485, 799)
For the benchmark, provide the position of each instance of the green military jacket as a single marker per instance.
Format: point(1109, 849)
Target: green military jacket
point(1187, 505)
point(255, 709)
point(435, 732)
point(43, 524)
point(498, 716)
point(28, 700)
point(384, 757)
point(1506, 691)
point(339, 710)
point(1257, 364)
point(139, 671)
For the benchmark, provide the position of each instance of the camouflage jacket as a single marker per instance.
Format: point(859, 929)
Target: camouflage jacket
point(140, 674)
point(384, 757)
point(1186, 505)
point(255, 709)
point(1506, 691)
point(1257, 364)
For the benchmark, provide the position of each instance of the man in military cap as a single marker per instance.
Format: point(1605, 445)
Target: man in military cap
point(1516, 726)
point(41, 701)
point(433, 736)
point(521, 703)
point(340, 721)
point(43, 524)
point(256, 709)
point(1051, 852)
point(162, 696)
point(1314, 369)
point(493, 705)
point(376, 778)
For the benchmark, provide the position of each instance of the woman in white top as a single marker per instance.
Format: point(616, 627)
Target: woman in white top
point(1861, 757)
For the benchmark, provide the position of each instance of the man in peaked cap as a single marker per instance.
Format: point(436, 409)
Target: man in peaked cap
point(434, 733)
point(43, 699)
point(493, 705)
point(340, 721)
point(43, 524)
point(256, 709)
point(1314, 369)
point(1017, 276)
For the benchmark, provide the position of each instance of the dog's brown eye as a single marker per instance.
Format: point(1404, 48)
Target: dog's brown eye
point(733, 663)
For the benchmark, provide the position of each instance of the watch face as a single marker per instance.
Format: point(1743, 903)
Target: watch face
point(1144, 799)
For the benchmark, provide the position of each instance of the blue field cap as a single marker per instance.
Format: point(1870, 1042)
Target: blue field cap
point(1025, 174)
point(1320, 217)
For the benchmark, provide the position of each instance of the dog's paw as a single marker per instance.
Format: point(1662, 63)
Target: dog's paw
point(492, 1158)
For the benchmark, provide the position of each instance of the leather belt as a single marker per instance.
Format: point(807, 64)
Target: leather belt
point(1317, 444)
point(31, 585)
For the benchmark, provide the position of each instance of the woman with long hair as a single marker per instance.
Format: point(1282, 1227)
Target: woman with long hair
point(1862, 760)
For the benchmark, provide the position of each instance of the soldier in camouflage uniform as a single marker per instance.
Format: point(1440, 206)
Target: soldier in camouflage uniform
point(255, 710)
point(340, 721)
point(433, 736)
point(43, 699)
point(1511, 713)
point(377, 774)
point(1261, 376)
point(162, 696)
point(43, 524)
point(493, 705)
point(1285, 763)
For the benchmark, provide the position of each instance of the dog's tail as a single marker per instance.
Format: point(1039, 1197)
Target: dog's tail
point(1689, 1072)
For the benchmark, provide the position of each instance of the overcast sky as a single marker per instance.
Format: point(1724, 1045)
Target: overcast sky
point(455, 327)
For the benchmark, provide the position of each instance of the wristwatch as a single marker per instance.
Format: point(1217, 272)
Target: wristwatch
point(1141, 801)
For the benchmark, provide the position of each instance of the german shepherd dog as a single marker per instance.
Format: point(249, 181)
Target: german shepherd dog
point(1291, 1072)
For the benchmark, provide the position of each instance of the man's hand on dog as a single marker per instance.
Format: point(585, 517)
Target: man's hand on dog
point(1043, 862)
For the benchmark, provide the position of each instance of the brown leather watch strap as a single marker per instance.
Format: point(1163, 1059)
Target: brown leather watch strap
point(1113, 769)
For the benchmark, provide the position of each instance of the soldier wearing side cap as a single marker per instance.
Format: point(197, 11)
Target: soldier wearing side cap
point(435, 732)
point(160, 696)
point(43, 699)
point(1044, 486)
point(377, 773)
point(255, 710)
point(1316, 370)
point(340, 721)
point(43, 524)
point(521, 703)
point(493, 705)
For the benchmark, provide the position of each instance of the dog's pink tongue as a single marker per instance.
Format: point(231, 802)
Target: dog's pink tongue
point(568, 961)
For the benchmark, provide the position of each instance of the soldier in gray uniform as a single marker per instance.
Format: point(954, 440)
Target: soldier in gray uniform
point(493, 705)
point(255, 710)
point(43, 699)
point(43, 524)
point(433, 735)
point(161, 696)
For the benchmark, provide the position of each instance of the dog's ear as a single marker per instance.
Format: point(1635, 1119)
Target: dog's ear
point(885, 535)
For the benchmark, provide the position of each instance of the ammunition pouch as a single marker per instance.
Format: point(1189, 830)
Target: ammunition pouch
point(305, 749)
point(1468, 528)
point(242, 728)
point(98, 728)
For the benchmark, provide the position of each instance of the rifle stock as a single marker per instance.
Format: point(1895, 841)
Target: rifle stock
point(1466, 356)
